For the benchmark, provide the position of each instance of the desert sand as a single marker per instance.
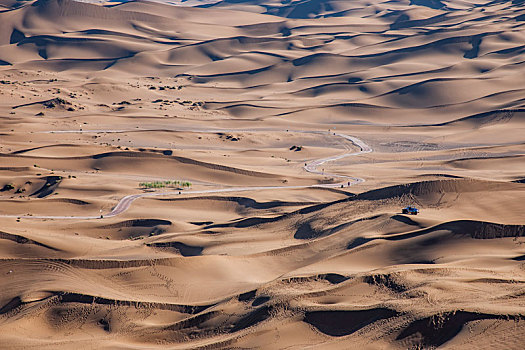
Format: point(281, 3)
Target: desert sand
point(304, 127)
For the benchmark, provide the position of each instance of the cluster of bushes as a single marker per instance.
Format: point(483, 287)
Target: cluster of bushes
point(163, 184)
point(8, 187)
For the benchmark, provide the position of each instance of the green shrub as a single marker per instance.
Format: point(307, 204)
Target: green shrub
point(164, 184)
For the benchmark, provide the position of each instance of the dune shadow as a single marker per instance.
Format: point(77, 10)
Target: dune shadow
point(438, 329)
point(183, 249)
point(341, 323)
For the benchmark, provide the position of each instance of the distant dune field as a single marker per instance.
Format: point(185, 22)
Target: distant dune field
point(230, 174)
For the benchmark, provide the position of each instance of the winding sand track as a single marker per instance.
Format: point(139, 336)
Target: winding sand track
point(311, 167)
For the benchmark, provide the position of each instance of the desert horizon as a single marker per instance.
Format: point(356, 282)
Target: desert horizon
point(262, 174)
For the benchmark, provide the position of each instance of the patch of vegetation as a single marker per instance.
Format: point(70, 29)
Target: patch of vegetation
point(164, 184)
point(8, 187)
point(55, 102)
point(228, 137)
point(231, 138)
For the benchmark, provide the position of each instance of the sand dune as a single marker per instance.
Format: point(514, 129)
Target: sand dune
point(304, 127)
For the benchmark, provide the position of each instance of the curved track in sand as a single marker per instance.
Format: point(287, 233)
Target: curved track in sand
point(311, 167)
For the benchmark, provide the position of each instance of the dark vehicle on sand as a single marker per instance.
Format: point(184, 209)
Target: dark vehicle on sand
point(410, 210)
